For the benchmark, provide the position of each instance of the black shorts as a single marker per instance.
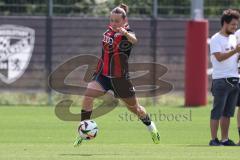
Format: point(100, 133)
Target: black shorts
point(238, 101)
point(225, 95)
point(122, 87)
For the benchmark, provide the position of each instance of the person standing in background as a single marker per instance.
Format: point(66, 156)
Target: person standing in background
point(238, 101)
point(224, 56)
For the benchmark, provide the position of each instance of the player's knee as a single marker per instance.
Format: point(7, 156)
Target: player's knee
point(142, 110)
point(215, 115)
point(137, 109)
point(94, 86)
point(88, 100)
point(91, 85)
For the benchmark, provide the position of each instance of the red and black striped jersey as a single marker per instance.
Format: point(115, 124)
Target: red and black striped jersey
point(115, 52)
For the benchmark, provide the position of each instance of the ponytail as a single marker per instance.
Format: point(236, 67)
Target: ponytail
point(121, 9)
point(124, 7)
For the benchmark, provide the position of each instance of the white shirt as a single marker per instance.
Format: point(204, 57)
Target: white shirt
point(237, 33)
point(228, 67)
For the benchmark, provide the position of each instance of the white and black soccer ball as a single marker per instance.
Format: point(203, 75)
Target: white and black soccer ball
point(88, 129)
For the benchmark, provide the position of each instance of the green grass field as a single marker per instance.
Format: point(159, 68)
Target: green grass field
point(36, 133)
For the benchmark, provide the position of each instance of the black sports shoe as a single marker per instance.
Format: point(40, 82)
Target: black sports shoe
point(229, 142)
point(215, 142)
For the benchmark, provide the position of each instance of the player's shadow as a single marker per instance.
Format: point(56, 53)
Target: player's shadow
point(88, 155)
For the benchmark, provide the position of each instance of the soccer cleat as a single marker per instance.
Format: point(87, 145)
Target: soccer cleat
point(78, 141)
point(215, 142)
point(155, 136)
point(229, 142)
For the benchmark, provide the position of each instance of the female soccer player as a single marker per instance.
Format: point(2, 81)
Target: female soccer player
point(112, 71)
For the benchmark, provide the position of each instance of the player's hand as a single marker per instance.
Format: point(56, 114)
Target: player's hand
point(237, 48)
point(122, 30)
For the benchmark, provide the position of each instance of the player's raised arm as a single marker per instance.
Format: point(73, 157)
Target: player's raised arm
point(130, 36)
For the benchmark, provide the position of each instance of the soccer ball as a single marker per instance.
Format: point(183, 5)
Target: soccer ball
point(88, 129)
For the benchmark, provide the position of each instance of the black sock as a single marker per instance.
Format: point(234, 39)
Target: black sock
point(85, 115)
point(146, 120)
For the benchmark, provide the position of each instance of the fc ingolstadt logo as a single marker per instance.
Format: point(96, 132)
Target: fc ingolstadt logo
point(16, 47)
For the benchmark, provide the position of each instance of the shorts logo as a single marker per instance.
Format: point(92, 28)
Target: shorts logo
point(16, 47)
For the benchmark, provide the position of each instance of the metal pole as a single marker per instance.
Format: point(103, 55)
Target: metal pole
point(197, 9)
point(50, 8)
point(154, 41)
point(48, 44)
point(155, 8)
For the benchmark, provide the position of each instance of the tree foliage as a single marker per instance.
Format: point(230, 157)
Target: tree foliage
point(174, 8)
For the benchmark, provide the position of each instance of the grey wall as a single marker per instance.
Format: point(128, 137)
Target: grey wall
point(75, 36)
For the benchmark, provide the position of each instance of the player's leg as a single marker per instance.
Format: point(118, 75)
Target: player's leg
point(224, 123)
point(133, 106)
point(219, 100)
point(238, 123)
point(228, 112)
point(238, 117)
point(124, 90)
point(94, 90)
point(214, 125)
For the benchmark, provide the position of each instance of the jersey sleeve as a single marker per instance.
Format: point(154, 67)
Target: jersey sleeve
point(131, 32)
point(215, 46)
